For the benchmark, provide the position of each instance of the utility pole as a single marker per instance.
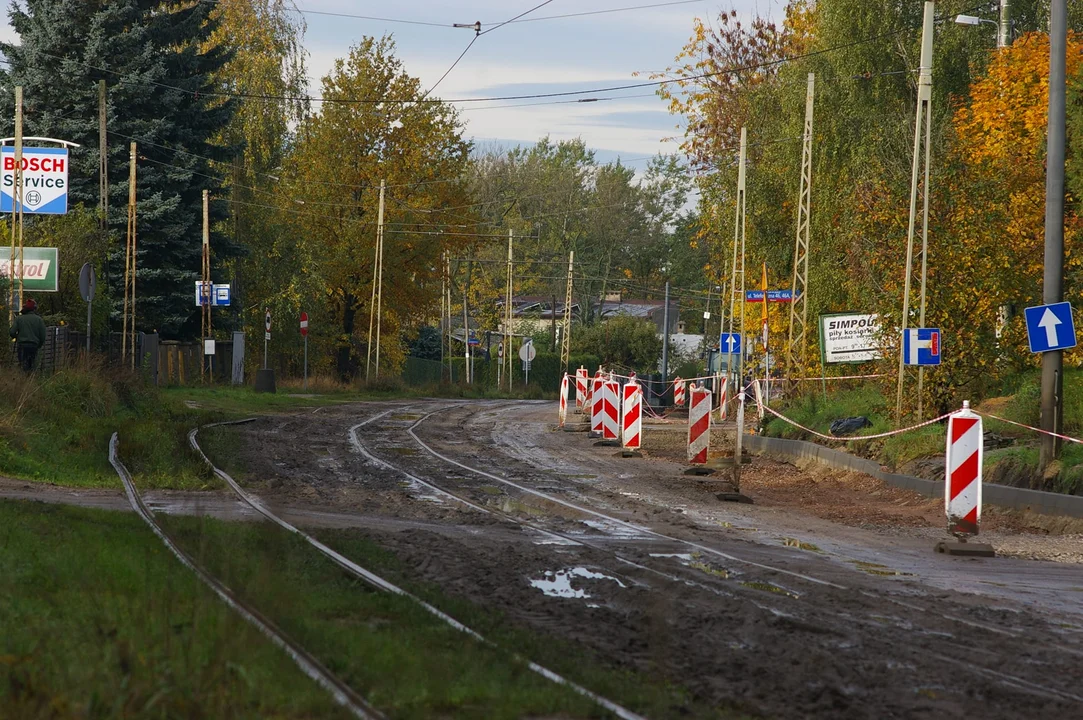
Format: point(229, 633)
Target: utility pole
point(924, 110)
point(205, 291)
point(799, 287)
point(443, 310)
point(1053, 278)
point(566, 338)
point(739, 230)
point(376, 275)
point(129, 264)
point(450, 354)
point(16, 202)
point(1004, 30)
point(379, 275)
point(103, 179)
point(466, 332)
point(665, 338)
point(509, 287)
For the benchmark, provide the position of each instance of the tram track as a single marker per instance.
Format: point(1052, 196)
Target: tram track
point(967, 665)
point(383, 584)
point(342, 693)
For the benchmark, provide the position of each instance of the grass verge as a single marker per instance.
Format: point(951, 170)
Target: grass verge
point(99, 620)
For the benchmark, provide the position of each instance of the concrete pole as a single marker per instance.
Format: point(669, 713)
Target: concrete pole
point(379, 275)
point(1052, 282)
point(925, 91)
point(665, 337)
point(1004, 30)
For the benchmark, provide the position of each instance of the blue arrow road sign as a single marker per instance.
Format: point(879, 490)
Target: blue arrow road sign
point(729, 343)
point(921, 346)
point(1050, 327)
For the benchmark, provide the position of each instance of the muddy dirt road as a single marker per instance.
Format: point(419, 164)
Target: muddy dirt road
point(773, 609)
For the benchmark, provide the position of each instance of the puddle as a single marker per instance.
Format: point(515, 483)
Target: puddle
point(770, 587)
point(679, 556)
point(421, 492)
point(615, 529)
point(559, 583)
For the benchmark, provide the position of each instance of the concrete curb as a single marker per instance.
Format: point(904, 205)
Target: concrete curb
point(1000, 495)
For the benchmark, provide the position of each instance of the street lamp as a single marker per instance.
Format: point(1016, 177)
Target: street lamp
point(1003, 27)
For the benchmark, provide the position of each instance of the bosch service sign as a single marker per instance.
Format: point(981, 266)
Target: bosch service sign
point(45, 180)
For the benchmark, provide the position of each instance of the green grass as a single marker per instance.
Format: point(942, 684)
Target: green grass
point(99, 620)
point(405, 661)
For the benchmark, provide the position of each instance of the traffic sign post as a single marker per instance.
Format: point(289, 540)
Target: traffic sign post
point(304, 334)
point(88, 284)
point(921, 346)
point(527, 353)
point(265, 377)
point(266, 336)
point(729, 343)
point(1050, 327)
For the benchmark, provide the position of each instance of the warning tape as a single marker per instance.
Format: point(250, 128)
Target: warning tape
point(859, 437)
point(1028, 427)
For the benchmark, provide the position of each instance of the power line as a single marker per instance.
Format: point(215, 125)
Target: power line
point(536, 7)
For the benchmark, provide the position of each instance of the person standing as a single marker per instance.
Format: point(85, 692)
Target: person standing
point(29, 333)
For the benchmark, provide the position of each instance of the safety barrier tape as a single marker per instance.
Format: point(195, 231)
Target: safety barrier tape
point(1028, 427)
point(859, 437)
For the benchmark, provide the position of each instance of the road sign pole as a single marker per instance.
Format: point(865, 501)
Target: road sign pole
point(1052, 290)
point(306, 363)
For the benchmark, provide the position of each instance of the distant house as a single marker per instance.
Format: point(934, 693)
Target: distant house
point(527, 310)
point(653, 310)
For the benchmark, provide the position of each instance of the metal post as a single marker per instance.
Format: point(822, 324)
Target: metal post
point(466, 333)
point(16, 198)
point(306, 363)
point(925, 92)
point(795, 343)
point(1004, 30)
point(740, 227)
point(205, 288)
point(508, 290)
point(103, 177)
point(89, 308)
point(130, 262)
point(1053, 278)
point(665, 338)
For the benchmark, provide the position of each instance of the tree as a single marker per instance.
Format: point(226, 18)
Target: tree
point(624, 341)
point(330, 188)
point(160, 74)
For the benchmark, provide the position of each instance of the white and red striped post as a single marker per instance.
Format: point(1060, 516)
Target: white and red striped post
point(699, 425)
point(610, 410)
point(596, 397)
point(725, 386)
point(582, 383)
point(631, 433)
point(678, 392)
point(562, 410)
point(962, 481)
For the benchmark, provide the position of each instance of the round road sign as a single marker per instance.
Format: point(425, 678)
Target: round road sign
point(88, 282)
point(527, 353)
point(304, 324)
point(267, 321)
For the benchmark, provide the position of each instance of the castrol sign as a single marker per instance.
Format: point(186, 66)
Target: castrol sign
point(44, 180)
point(38, 268)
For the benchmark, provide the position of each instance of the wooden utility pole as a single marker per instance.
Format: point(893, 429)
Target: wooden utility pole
point(129, 265)
point(508, 287)
point(16, 203)
point(796, 342)
point(566, 338)
point(206, 296)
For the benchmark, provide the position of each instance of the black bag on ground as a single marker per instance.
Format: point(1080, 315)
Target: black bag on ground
point(848, 426)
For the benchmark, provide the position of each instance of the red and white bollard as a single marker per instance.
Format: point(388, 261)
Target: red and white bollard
point(596, 397)
point(678, 392)
point(610, 411)
point(631, 433)
point(699, 425)
point(962, 483)
point(582, 384)
point(725, 386)
point(562, 411)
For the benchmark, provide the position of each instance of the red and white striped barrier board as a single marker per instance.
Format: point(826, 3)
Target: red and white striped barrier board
point(962, 482)
point(699, 425)
point(563, 408)
point(678, 392)
point(724, 389)
point(610, 410)
point(596, 396)
point(582, 385)
point(631, 432)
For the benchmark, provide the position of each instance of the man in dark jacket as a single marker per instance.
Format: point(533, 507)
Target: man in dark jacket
point(29, 334)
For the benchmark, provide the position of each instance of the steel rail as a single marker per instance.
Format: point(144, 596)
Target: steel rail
point(342, 693)
point(379, 582)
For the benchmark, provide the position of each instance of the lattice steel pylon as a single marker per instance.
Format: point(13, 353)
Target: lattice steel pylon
point(566, 337)
point(796, 343)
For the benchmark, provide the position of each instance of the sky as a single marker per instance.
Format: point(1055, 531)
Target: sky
point(540, 56)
